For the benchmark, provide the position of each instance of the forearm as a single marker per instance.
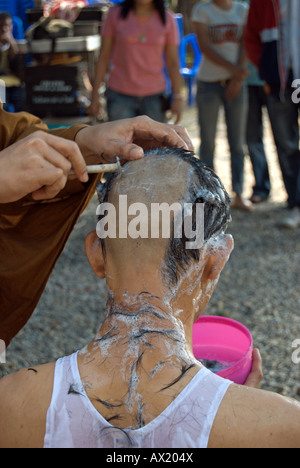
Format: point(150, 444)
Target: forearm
point(100, 73)
point(66, 133)
point(215, 57)
point(175, 77)
point(234, 86)
point(235, 69)
point(14, 49)
point(15, 127)
point(242, 57)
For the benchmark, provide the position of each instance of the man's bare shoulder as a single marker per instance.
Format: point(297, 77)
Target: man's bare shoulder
point(24, 400)
point(251, 418)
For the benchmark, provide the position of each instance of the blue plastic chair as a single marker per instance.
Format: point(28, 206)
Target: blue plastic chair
point(179, 19)
point(17, 8)
point(22, 7)
point(18, 30)
point(9, 6)
point(190, 74)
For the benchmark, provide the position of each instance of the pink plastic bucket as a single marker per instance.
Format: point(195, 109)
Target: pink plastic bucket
point(224, 344)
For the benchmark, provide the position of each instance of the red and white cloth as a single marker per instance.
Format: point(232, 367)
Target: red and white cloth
point(272, 39)
point(64, 9)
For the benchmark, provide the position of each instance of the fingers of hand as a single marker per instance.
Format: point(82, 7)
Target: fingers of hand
point(51, 181)
point(170, 135)
point(47, 161)
point(61, 153)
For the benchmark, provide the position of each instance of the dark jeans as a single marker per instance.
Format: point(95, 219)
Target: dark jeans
point(210, 98)
point(284, 117)
point(122, 106)
point(254, 137)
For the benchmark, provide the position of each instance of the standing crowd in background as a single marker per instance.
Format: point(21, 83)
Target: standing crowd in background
point(140, 48)
point(137, 383)
point(250, 61)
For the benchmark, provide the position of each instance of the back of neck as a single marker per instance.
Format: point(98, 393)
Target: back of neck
point(143, 349)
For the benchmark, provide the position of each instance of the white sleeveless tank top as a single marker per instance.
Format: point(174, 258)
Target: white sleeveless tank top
point(73, 421)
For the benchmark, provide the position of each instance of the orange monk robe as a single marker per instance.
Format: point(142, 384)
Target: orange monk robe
point(33, 234)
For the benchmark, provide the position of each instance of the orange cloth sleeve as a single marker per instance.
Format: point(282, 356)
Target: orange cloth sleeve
point(33, 234)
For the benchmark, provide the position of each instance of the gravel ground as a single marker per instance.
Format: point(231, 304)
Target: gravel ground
point(259, 287)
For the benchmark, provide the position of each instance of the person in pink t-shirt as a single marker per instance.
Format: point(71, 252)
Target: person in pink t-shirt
point(139, 38)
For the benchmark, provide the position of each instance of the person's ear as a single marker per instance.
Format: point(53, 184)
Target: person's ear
point(94, 254)
point(220, 250)
point(216, 257)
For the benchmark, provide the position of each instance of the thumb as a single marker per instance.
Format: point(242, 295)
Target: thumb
point(134, 151)
point(126, 151)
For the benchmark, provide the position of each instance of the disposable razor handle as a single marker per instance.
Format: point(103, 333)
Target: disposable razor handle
point(103, 168)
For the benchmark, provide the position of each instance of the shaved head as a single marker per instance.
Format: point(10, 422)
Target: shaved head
point(153, 179)
point(173, 177)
